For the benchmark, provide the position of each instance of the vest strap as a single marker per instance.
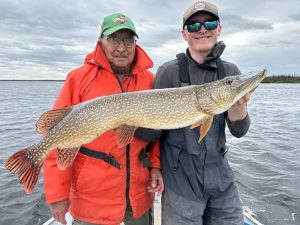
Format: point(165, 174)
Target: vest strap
point(100, 155)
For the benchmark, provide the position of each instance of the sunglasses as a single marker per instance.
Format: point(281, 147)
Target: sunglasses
point(196, 26)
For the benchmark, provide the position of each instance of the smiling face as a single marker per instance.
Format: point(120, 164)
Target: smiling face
point(202, 41)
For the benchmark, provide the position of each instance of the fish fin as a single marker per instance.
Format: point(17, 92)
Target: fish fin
point(205, 127)
point(124, 135)
point(199, 123)
point(27, 170)
point(49, 119)
point(65, 157)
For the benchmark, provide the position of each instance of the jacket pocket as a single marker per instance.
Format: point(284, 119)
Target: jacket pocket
point(92, 175)
point(171, 155)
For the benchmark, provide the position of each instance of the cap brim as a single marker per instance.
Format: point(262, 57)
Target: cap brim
point(201, 11)
point(117, 28)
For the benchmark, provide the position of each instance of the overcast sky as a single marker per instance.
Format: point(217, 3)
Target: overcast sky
point(43, 39)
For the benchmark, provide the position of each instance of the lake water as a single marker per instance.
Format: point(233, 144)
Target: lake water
point(266, 161)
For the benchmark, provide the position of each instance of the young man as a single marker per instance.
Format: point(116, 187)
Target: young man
point(199, 183)
point(107, 184)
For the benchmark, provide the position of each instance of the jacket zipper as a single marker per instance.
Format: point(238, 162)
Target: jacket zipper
point(127, 174)
point(127, 156)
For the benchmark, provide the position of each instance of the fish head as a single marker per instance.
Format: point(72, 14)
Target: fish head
point(222, 94)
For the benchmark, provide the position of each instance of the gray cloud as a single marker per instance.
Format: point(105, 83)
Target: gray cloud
point(46, 39)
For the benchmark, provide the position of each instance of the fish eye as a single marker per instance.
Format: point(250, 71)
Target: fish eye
point(229, 81)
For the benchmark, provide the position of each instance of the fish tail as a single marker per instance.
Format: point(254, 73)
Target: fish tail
point(26, 168)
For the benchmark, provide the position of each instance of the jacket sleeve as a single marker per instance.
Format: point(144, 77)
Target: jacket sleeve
point(239, 128)
point(57, 182)
point(147, 134)
point(154, 154)
point(162, 79)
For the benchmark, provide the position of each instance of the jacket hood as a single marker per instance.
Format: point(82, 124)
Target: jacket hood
point(210, 60)
point(216, 52)
point(141, 61)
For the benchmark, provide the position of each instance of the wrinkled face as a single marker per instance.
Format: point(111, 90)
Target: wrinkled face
point(203, 40)
point(119, 49)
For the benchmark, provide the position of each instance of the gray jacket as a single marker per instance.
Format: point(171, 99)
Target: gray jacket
point(204, 164)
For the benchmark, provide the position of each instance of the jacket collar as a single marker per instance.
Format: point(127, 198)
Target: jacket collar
point(210, 60)
point(141, 61)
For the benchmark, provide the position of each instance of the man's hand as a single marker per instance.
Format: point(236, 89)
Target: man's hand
point(156, 183)
point(243, 100)
point(59, 210)
point(238, 111)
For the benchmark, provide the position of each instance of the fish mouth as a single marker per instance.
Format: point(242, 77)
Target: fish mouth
point(249, 82)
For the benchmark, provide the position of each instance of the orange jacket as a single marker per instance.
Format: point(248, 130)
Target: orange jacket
point(96, 189)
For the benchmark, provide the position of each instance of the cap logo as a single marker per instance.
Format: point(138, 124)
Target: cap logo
point(120, 19)
point(199, 6)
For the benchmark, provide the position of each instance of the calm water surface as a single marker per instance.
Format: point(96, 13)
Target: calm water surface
point(266, 161)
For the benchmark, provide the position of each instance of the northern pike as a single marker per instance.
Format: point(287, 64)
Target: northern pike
point(68, 128)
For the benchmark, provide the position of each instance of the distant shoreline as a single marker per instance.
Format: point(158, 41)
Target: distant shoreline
point(282, 79)
point(268, 79)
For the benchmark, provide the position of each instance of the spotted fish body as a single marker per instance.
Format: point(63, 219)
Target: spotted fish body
point(69, 128)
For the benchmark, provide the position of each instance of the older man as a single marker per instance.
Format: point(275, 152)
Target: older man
point(107, 184)
point(199, 183)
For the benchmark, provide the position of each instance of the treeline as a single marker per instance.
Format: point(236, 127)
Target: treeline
point(282, 79)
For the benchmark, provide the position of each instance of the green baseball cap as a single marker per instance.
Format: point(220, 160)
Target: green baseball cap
point(116, 22)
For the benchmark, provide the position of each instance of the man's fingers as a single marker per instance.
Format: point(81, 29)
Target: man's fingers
point(252, 90)
point(158, 188)
point(153, 181)
point(161, 187)
point(243, 100)
point(153, 186)
point(246, 98)
point(156, 182)
point(61, 219)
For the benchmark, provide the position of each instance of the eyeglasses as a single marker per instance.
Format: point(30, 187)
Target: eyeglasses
point(114, 42)
point(196, 26)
